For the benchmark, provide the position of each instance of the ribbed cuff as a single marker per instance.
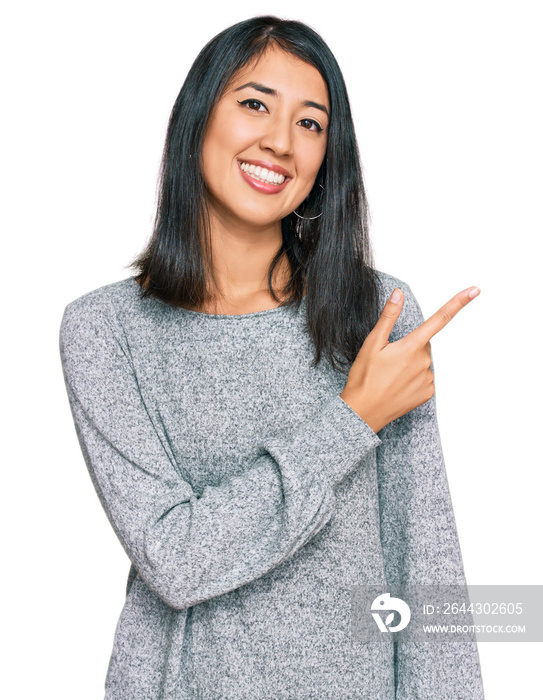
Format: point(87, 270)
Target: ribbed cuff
point(326, 447)
point(342, 439)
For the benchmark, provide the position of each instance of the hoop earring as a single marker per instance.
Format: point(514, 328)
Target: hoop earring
point(309, 218)
point(306, 218)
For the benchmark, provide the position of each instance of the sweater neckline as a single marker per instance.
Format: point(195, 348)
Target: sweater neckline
point(204, 315)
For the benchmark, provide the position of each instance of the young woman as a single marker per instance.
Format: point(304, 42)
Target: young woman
point(255, 405)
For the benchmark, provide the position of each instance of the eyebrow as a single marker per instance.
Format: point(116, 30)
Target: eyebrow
point(271, 91)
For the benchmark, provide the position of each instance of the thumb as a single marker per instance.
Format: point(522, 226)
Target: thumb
point(389, 315)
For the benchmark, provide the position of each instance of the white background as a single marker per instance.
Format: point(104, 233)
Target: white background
point(447, 102)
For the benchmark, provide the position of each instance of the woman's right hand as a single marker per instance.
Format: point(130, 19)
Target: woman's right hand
point(387, 380)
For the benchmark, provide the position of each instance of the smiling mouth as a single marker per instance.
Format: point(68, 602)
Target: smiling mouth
point(262, 174)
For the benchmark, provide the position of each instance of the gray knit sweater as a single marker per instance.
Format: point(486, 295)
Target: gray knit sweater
point(250, 499)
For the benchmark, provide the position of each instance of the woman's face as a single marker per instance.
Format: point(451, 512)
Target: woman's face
point(265, 141)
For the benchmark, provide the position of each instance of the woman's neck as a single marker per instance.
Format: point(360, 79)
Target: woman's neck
point(240, 262)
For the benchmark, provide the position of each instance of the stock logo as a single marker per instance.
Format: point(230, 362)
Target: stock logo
point(385, 603)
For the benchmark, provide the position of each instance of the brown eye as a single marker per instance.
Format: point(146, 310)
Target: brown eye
point(253, 105)
point(310, 125)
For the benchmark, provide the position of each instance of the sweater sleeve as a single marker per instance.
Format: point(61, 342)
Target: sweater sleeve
point(420, 541)
point(190, 547)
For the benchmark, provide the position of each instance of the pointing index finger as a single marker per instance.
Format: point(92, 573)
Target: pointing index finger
point(444, 315)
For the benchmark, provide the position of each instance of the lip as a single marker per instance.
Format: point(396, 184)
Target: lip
point(264, 187)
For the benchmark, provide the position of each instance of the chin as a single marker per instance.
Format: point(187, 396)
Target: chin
point(260, 219)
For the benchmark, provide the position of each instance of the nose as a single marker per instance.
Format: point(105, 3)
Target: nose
point(277, 136)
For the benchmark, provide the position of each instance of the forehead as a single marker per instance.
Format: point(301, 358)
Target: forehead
point(284, 72)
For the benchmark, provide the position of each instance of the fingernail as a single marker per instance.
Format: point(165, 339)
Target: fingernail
point(474, 292)
point(396, 296)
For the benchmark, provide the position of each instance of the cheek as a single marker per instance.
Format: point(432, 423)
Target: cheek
point(311, 160)
point(239, 133)
point(229, 139)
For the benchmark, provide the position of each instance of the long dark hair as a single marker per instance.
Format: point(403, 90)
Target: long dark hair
point(330, 254)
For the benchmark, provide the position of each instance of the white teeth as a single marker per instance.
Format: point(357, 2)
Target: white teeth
point(263, 174)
